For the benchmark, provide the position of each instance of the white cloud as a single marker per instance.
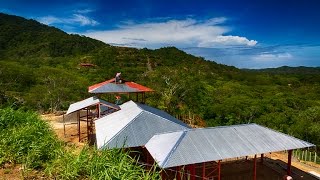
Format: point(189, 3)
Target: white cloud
point(179, 33)
point(272, 57)
point(83, 20)
point(83, 11)
point(75, 19)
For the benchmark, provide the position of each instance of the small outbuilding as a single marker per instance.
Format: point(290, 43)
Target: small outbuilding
point(87, 110)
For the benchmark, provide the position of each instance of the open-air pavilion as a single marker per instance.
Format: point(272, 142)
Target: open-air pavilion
point(188, 148)
point(87, 111)
point(121, 86)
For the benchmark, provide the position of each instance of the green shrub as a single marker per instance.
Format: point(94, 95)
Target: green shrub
point(91, 163)
point(26, 139)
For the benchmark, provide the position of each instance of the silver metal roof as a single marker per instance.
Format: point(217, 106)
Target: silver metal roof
point(212, 144)
point(90, 102)
point(134, 125)
point(113, 88)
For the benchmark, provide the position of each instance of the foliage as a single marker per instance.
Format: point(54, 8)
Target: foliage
point(43, 73)
point(94, 164)
point(28, 140)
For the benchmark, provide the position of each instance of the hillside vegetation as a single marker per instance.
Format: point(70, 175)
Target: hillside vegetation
point(29, 141)
point(40, 70)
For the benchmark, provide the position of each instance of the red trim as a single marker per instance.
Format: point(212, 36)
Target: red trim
point(130, 84)
point(95, 86)
point(138, 86)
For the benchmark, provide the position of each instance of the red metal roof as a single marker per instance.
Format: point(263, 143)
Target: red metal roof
point(100, 84)
point(138, 86)
point(131, 85)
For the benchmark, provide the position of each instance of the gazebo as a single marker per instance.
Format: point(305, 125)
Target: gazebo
point(118, 85)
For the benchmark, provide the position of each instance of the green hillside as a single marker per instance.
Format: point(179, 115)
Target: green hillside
point(39, 69)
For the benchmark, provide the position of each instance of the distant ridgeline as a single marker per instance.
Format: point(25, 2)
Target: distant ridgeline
point(46, 69)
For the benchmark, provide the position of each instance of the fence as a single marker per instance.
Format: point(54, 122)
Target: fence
point(307, 156)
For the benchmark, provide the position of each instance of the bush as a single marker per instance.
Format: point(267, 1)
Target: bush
point(91, 163)
point(26, 139)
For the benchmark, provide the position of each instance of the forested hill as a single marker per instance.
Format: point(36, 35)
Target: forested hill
point(40, 68)
point(288, 70)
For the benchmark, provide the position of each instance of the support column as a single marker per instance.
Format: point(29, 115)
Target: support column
point(262, 156)
point(219, 170)
point(255, 167)
point(178, 173)
point(78, 119)
point(163, 175)
point(289, 163)
point(193, 172)
point(88, 123)
point(98, 110)
point(204, 171)
point(137, 97)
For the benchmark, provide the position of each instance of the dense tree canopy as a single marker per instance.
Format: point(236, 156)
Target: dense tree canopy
point(40, 69)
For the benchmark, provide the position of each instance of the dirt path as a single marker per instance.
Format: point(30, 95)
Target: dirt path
point(304, 166)
point(70, 135)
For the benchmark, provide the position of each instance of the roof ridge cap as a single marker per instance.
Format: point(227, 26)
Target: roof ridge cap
point(122, 129)
point(174, 147)
point(163, 117)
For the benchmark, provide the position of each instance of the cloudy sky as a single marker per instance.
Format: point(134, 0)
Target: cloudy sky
point(241, 33)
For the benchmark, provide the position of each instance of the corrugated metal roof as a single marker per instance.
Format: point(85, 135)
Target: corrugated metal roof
point(212, 144)
point(134, 125)
point(110, 86)
point(90, 102)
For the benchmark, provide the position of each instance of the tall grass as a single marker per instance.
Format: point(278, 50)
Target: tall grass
point(26, 139)
point(91, 163)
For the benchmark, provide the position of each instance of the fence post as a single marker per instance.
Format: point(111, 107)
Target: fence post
point(302, 157)
point(305, 155)
point(315, 157)
point(310, 157)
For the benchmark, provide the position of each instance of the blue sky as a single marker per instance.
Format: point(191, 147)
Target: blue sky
point(241, 33)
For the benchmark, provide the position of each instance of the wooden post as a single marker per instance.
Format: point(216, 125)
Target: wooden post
point(262, 158)
point(163, 175)
point(88, 123)
point(219, 170)
point(193, 172)
point(302, 156)
point(137, 97)
point(98, 110)
point(315, 157)
point(178, 173)
point(255, 167)
point(204, 170)
point(146, 155)
point(289, 163)
point(78, 119)
point(64, 126)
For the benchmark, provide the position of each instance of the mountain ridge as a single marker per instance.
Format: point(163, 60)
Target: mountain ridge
point(40, 69)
